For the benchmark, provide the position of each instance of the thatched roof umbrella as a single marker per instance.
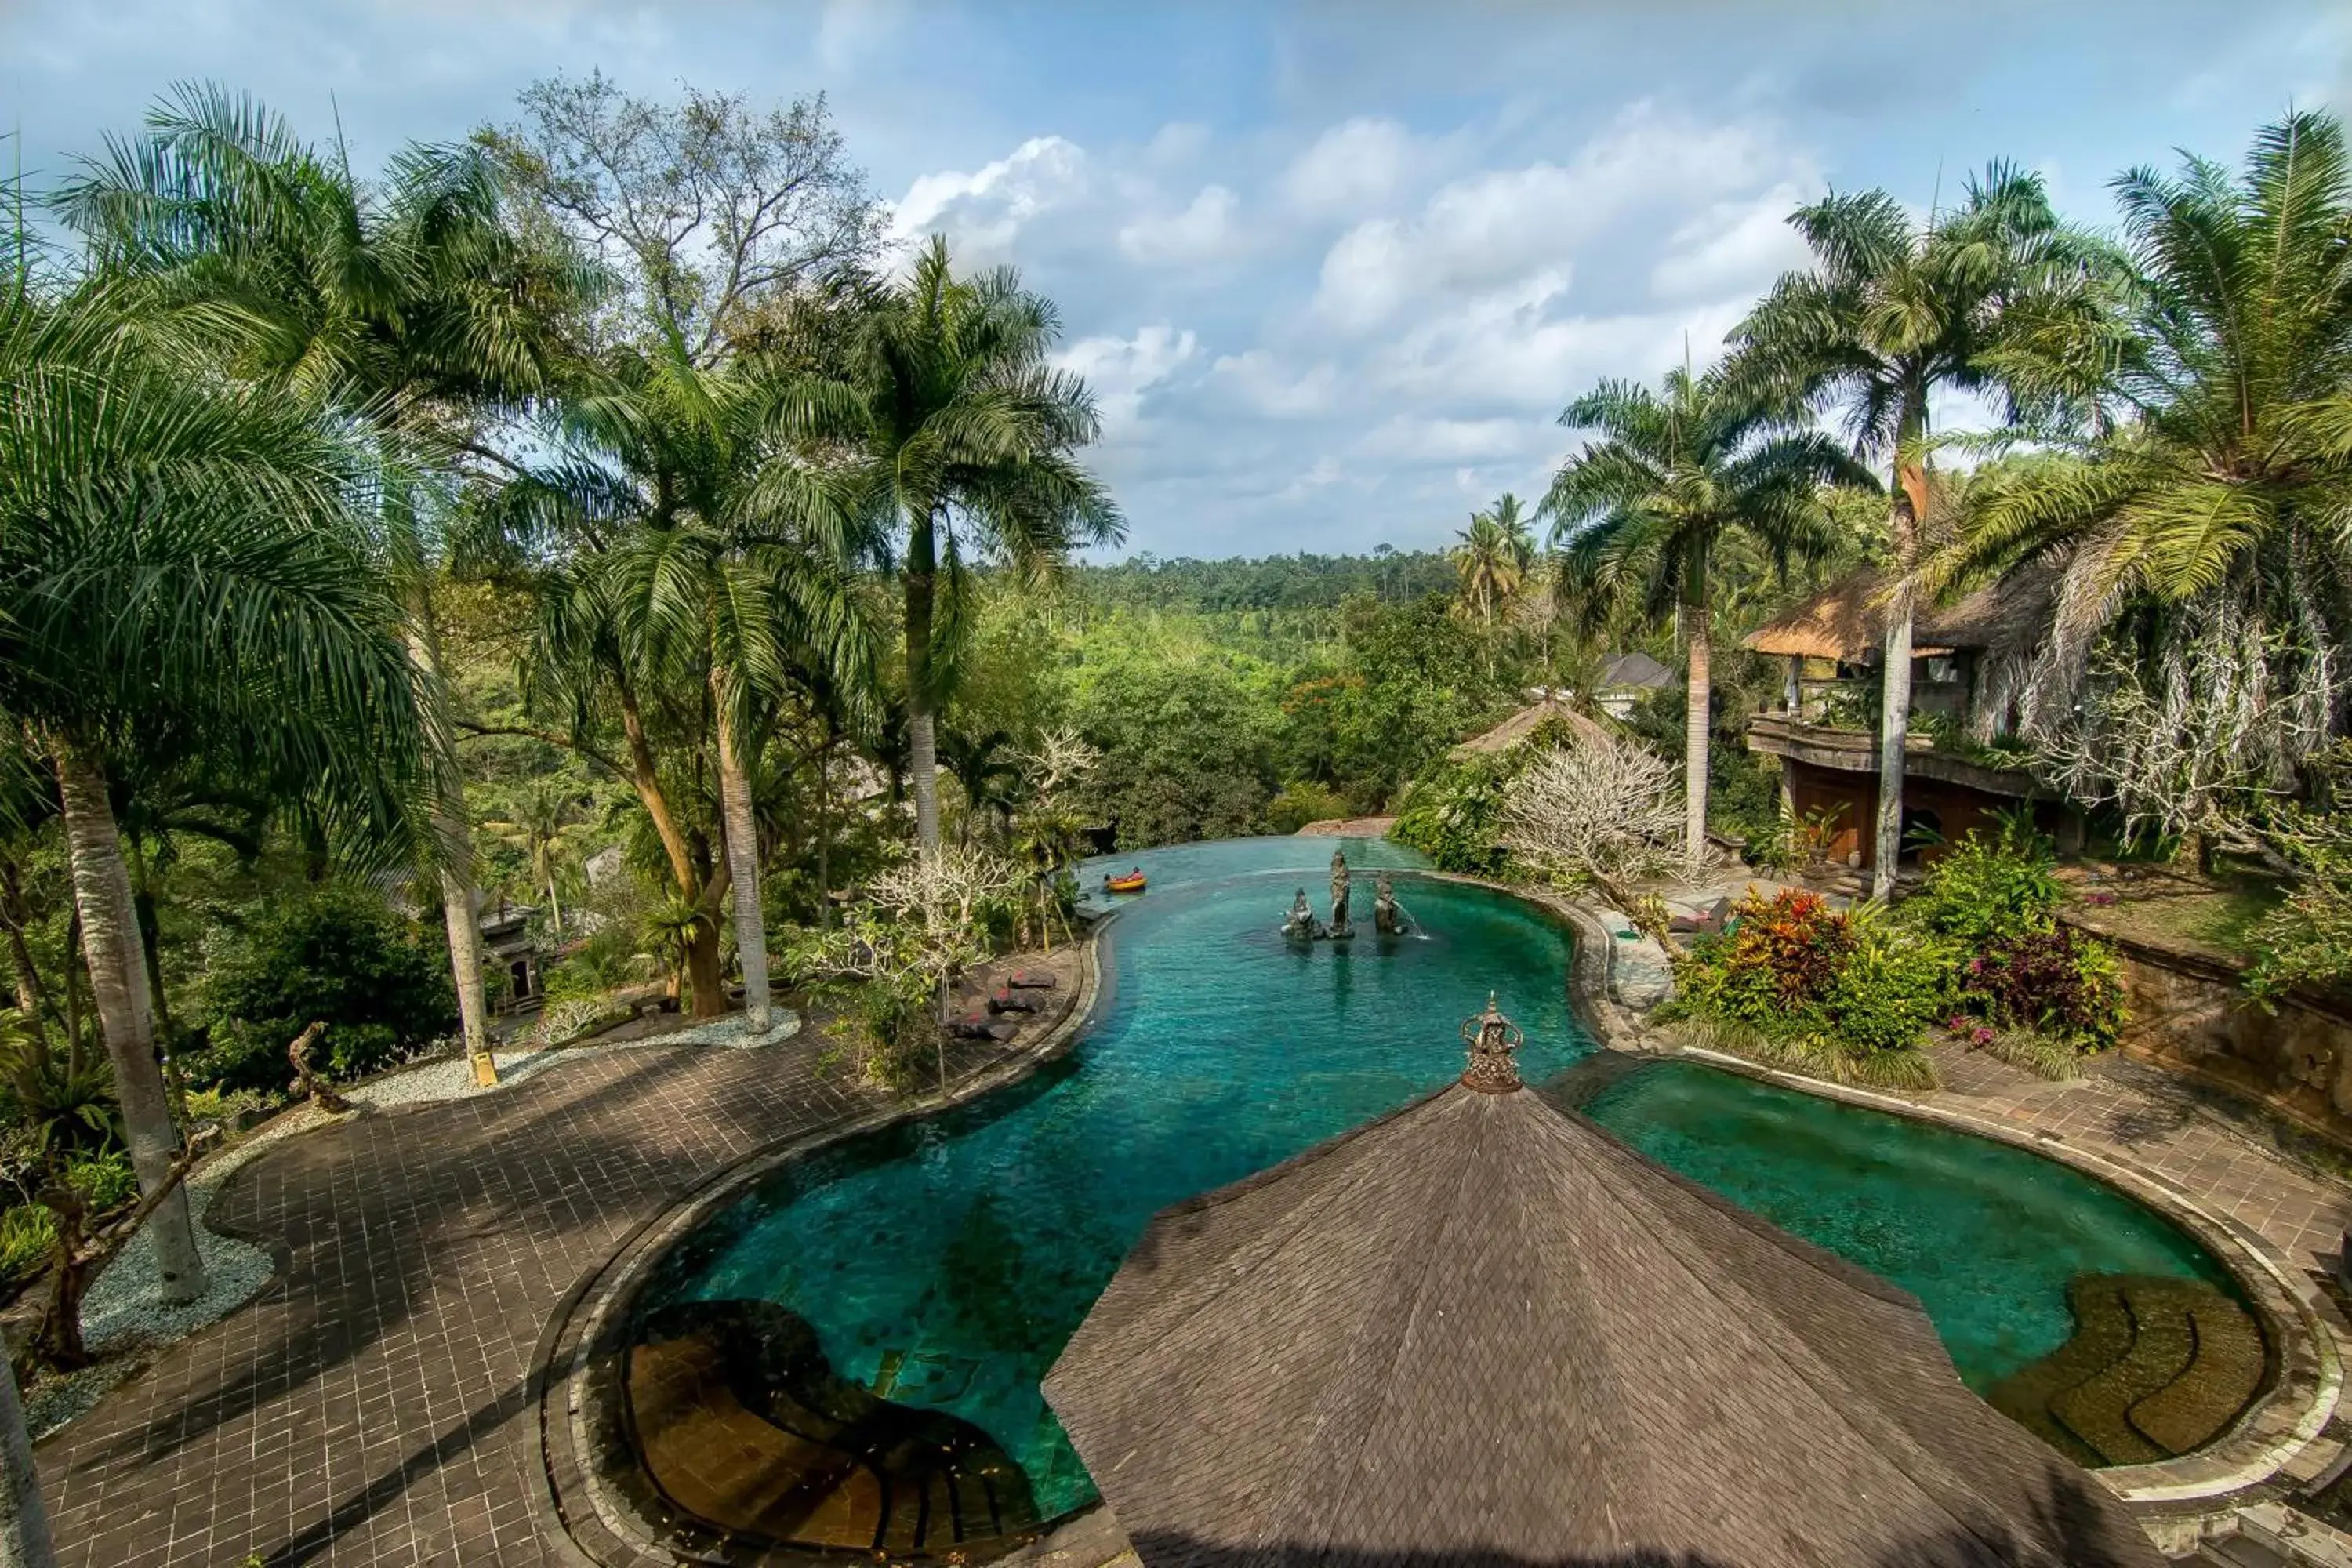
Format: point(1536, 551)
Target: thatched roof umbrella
point(1481, 1330)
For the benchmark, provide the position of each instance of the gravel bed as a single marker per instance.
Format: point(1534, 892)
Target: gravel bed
point(124, 1319)
point(452, 1077)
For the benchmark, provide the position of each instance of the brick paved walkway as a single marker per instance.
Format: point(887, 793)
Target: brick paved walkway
point(372, 1407)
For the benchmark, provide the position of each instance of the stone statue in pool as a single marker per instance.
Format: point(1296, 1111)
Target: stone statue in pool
point(1300, 924)
point(1387, 919)
point(1340, 929)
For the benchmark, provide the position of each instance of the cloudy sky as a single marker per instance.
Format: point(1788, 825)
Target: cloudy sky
point(1332, 268)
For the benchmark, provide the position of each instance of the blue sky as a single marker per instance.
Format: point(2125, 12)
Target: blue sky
point(1333, 268)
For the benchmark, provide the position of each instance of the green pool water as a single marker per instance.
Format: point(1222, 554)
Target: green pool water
point(948, 1261)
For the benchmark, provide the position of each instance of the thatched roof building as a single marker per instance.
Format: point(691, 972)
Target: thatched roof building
point(1522, 725)
point(1482, 1332)
point(1847, 620)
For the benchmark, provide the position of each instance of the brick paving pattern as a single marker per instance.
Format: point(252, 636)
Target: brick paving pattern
point(371, 1407)
point(2127, 1109)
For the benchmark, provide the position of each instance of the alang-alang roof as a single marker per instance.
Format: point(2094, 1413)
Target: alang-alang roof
point(1482, 1331)
point(1847, 620)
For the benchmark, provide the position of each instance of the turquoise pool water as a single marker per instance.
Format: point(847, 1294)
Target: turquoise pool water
point(946, 1262)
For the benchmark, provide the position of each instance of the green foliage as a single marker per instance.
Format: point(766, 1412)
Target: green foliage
point(1297, 805)
point(1187, 742)
point(1455, 816)
point(1995, 898)
point(891, 1022)
point(336, 955)
point(1850, 993)
point(2307, 941)
point(28, 1238)
point(1988, 886)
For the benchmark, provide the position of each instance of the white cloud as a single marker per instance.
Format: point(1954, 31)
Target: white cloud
point(1731, 247)
point(1204, 231)
point(1352, 166)
point(1264, 383)
point(1121, 370)
point(1495, 227)
point(984, 211)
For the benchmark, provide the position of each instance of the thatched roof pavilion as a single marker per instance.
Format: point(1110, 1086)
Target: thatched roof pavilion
point(1847, 620)
point(1481, 1330)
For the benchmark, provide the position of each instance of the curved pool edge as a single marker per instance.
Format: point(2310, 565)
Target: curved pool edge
point(573, 1382)
point(2281, 1436)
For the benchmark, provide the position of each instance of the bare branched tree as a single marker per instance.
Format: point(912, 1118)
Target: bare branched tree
point(1598, 810)
point(705, 207)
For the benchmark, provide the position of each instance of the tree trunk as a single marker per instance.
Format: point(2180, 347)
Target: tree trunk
point(461, 904)
point(1893, 732)
point(825, 834)
point(706, 972)
point(922, 735)
point(111, 942)
point(24, 1519)
point(1695, 704)
point(16, 915)
point(1894, 693)
point(742, 846)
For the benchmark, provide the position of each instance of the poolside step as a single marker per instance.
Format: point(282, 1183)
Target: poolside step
point(738, 1420)
point(2157, 1367)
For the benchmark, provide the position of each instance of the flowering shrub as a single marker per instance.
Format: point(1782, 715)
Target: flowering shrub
point(2058, 982)
point(1846, 992)
point(1997, 897)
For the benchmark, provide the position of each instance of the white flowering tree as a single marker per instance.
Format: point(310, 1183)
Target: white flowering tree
point(1598, 810)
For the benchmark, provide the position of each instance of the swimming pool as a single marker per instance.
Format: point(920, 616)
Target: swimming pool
point(943, 1264)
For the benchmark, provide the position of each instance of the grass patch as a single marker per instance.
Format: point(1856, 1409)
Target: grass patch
point(1908, 1067)
point(2030, 1050)
point(2214, 918)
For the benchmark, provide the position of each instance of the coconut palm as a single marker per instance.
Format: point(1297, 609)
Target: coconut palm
point(2202, 515)
point(544, 828)
point(415, 308)
point(1642, 512)
point(1891, 312)
point(1493, 557)
point(951, 437)
point(175, 551)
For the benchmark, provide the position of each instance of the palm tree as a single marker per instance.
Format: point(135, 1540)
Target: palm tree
point(173, 551)
point(699, 556)
point(2200, 512)
point(417, 311)
point(1891, 314)
point(544, 829)
point(950, 435)
point(1642, 512)
point(1492, 558)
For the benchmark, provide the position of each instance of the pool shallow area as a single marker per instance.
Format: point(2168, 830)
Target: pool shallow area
point(942, 1265)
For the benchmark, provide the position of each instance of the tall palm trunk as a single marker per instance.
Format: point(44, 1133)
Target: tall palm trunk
point(118, 981)
point(16, 915)
point(742, 836)
point(1894, 693)
point(1697, 703)
point(461, 904)
point(24, 1519)
point(922, 733)
point(824, 834)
